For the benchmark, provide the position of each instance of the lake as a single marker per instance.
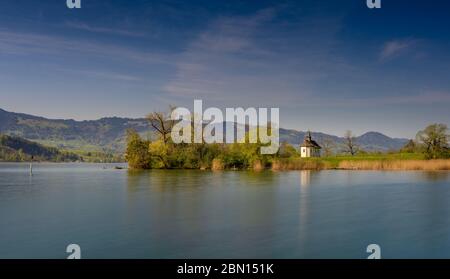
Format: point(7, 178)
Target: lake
point(232, 214)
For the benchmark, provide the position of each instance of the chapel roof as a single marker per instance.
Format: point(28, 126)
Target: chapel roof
point(309, 142)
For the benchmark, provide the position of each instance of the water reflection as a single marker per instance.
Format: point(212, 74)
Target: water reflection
point(192, 180)
point(308, 178)
point(305, 178)
point(193, 209)
point(433, 176)
point(304, 205)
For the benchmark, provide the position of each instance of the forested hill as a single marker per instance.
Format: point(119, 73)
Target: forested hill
point(16, 149)
point(106, 134)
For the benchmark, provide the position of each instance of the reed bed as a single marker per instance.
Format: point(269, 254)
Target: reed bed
point(426, 165)
point(258, 165)
point(217, 165)
point(285, 164)
point(300, 164)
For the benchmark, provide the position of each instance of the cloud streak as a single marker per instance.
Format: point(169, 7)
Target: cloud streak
point(424, 98)
point(106, 75)
point(242, 60)
point(104, 30)
point(394, 48)
point(17, 43)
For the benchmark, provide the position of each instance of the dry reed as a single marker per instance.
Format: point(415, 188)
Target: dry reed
point(258, 165)
point(299, 164)
point(426, 165)
point(217, 164)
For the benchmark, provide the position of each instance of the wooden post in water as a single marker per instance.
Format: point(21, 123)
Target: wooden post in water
point(31, 166)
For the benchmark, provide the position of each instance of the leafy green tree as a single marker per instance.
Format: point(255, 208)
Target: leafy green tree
point(137, 153)
point(160, 152)
point(410, 147)
point(286, 150)
point(434, 139)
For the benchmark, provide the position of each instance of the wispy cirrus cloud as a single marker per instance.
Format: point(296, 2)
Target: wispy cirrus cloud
point(19, 43)
point(427, 98)
point(243, 59)
point(395, 48)
point(424, 98)
point(105, 30)
point(106, 75)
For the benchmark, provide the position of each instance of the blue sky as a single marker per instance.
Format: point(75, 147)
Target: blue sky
point(329, 66)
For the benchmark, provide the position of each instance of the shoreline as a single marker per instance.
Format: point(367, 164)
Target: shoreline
point(297, 164)
point(365, 164)
point(347, 165)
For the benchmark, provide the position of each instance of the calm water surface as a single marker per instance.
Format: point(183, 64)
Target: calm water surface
point(201, 214)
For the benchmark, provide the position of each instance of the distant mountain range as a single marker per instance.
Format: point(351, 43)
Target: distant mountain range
point(108, 134)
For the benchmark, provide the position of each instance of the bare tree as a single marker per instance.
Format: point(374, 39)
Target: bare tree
point(350, 143)
point(162, 123)
point(328, 146)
